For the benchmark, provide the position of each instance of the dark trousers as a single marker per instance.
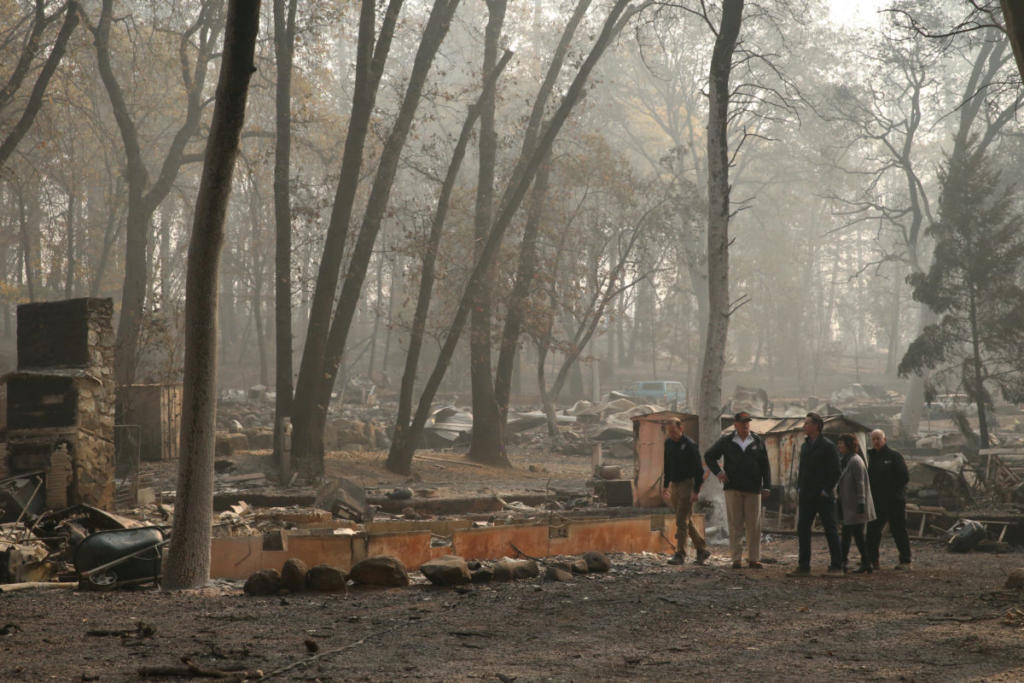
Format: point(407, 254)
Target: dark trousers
point(826, 509)
point(894, 513)
point(854, 532)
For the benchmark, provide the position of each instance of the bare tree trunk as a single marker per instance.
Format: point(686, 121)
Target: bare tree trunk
point(284, 51)
point(1013, 17)
point(487, 444)
point(370, 59)
point(509, 206)
point(710, 399)
point(188, 562)
point(313, 399)
point(399, 443)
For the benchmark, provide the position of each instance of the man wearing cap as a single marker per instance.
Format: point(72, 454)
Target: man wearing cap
point(816, 486)
point(681, 482)
point(746, 478)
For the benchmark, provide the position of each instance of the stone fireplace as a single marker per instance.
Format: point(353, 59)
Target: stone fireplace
point(60, 401)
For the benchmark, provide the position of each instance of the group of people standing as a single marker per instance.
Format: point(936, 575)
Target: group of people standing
point(834, 482)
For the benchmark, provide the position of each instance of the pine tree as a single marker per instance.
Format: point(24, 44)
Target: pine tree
point(974, 285)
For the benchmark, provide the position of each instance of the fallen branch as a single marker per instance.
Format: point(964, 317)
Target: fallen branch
point(193, 670)
point(321, 655)
point(28, 585)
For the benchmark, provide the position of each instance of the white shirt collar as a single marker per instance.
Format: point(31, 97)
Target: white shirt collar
point(743, 442)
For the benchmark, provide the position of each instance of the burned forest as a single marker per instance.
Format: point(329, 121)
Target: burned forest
point(511, 340)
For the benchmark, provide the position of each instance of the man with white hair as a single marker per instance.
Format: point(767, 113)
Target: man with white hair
point(888, 475)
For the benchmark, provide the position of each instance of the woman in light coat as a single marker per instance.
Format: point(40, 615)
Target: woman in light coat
point(855, 503)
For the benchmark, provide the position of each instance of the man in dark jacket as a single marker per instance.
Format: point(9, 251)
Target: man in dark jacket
point(888, 475)
point(816, 485)
point(747, 479)
point(680, 485)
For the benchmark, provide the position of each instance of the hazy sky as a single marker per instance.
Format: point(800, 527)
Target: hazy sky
point(856, 12)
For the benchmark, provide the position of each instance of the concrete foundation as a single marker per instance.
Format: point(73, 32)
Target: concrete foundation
point(237, 557)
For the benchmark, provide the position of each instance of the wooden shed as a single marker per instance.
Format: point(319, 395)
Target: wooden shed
point(649, 453)
point(156, 410)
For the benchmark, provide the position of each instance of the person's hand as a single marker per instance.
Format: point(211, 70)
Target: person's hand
point(722, 477)
point(664, 494)
point(765, 493)
point(694, 496)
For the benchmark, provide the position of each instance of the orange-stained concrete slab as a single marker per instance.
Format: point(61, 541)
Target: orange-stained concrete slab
point(313, 550)
point(413, 549)
point(619, 535)
point(237, 557)
point(491, 543)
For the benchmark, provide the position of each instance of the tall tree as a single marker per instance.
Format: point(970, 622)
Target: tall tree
point(313, 392)
point(284, 50)
point(974, 286)
point(188, 564)
point(197, 43)
point(720, 308)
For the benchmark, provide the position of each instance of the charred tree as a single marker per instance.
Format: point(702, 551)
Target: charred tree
point(313, 392)
point(284, 50)
point(487, 444)
point(188, 563)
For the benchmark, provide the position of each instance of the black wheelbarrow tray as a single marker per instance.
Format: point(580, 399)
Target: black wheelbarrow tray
point(120, 557)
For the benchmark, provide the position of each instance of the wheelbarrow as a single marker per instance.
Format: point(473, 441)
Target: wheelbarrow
point(120, 557)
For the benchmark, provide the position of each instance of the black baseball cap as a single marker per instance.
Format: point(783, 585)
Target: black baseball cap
point(742, 416)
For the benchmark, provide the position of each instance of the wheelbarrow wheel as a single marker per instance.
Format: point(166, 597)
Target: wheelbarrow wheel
point(101, 581)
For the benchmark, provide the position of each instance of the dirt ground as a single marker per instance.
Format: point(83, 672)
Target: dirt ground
point(948, 619)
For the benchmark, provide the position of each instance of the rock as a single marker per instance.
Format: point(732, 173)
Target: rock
point(409, 512)
point(579, 566)
point(400, 494)
point(507, 569)
point(263, 582)
point(609, 472)
point(324, 578)
point(1015, 579)
point(553, 573)
point(293, 575)
point(482, 575)
point(236, 427)
point(448, 570)
point(382, 570)
point(597, 562)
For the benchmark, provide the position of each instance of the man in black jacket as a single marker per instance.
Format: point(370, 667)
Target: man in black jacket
point(680, 485)
point(816, 485)
point(747, 479)
point(888, 475)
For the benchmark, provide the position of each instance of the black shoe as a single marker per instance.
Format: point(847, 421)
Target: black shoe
point(677, 559)
point(800, 571)
point(702, 556)
point(863, 569)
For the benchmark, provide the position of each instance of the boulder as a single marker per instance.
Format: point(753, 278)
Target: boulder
point(482, 574)
point(293, 575)
point(448, 570)
point(382, 570)
point(324, 578)
point(1015, 579)
point(579, 566)
point(597, 562)
point(507, 569)
point(263, 582)
point(554, 573)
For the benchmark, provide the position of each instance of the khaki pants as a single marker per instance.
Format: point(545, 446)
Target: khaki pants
point(679, 494)
point(744, 513)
